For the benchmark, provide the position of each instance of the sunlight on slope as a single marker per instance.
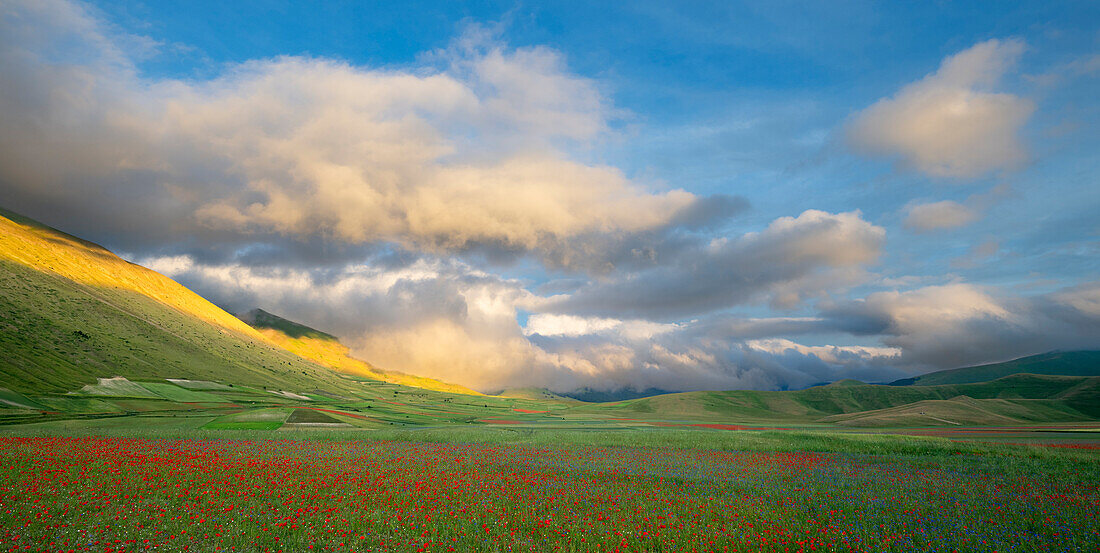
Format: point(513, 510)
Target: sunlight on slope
point(335, 355)
point(45, 249)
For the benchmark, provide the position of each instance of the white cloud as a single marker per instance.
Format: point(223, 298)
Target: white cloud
point(549, 324)
point(440, 159)
point(170, 266)
point(828, 353)
point(951, 123)
point(939, 215)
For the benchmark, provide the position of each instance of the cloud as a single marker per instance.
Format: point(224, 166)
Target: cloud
point(830, 354)
point(792, 259)
point(951, 123)
point(446, 319)
point(938, 215)
point(549, 324)
point(962, 324)
point(467, 152)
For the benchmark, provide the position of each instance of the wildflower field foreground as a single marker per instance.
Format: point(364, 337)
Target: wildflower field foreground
point(133, 494)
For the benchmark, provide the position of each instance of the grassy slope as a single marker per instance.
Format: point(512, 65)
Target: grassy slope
point(60, 335)
point(1069, 363)
point(965, 411)
point(260, 319)
point(535, 393)
point(44, 249)
point(1076, 394)
point(72, 312)
point(327, 350)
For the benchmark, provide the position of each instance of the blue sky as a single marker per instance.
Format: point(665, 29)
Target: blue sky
point(689, 195)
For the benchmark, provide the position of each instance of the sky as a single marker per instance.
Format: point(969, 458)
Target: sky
point(607, 196)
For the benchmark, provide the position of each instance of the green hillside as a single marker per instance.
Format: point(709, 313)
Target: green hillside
point(258, 318)
point(534, 393)
point(1068, 363)
point(963, 411)
point(60, 335)
point(1077, 394)
point(87, 336)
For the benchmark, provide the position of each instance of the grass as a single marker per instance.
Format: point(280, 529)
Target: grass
point(289, 495)
point(1071, 363)
point(175, 393)
point(1077, 396)
point(808, 440)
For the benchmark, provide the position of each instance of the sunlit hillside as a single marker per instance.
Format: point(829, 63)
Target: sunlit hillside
point(42, 248)
point(74, 314)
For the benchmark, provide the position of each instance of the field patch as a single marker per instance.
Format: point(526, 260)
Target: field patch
point(172, 392)
point(198, 384)
point(291, 395)
point(9, 398)
point(256, 419)
point(117, 387)
point(79, 405)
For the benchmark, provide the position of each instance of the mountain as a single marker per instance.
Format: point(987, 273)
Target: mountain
point(1065, 363)
point(71, 313)
point(326, 349)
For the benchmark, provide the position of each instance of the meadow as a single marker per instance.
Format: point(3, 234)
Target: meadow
point(485, 490)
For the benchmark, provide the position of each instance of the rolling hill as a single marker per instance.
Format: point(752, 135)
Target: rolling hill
point(1064, 363)
point(962, 411)
point(1076, 399)
point(534, 393)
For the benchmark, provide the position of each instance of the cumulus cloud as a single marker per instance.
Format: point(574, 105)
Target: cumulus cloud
point(446, 319)
point(938, 215)
point(549, 324)
point(962, 324)
point(790, 260)
point(951, 123)
point(468, 153)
